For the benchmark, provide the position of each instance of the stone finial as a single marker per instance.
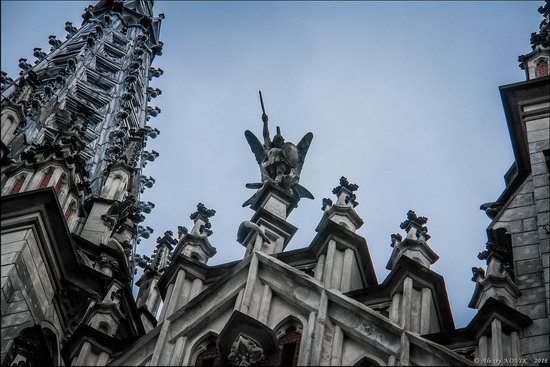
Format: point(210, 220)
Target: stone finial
point(167, 240)
point(414, 245)
point(201, 218)
point(542, 38)
point(498, 246)
point(535, 63)
point(414, 226)
point(497, 281)
point(342, 211)
point(345, 193)
point(413, 220)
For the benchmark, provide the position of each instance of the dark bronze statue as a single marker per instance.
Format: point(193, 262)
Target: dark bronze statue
point(280, 162)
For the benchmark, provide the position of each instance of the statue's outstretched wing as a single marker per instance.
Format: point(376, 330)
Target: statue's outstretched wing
point(255, 145)
point(302, 192)
point(303, 147)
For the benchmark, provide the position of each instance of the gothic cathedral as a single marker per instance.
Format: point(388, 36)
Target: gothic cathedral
point(74, 128)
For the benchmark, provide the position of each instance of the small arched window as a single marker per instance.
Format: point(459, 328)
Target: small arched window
point(18, 184)
point(542, 68)
point(290, 347)
point(288, 351)
point(8, 127)
point(46, 178)
point(209, 356)
point(104, 327)
point(59, 183)
point(366, 362)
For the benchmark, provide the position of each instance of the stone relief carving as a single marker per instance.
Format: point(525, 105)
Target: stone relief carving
point(245, 352)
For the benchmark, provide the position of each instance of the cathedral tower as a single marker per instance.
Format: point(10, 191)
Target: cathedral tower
point(75, 123)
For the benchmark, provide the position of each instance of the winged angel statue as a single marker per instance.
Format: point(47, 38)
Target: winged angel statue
point(280, 162)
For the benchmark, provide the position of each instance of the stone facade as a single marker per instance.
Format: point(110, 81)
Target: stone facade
point(74, 131)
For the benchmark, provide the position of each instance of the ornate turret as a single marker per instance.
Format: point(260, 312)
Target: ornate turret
point(343, 211)
point(415, 245)
point(148, 298)
point(535, 63)
point(497, 281)
point(87, 97)
point(195, 245)
point(74, 126)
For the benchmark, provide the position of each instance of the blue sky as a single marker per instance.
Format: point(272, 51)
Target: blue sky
point(402, 98)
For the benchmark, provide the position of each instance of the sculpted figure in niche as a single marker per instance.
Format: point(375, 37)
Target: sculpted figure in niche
point(280, 162)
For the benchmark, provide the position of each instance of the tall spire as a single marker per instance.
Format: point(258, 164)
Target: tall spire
point(87, 96)
point(535, 63)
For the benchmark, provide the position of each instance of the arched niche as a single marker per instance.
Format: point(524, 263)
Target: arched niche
point(17, 183)
point(10, 119)
point(115, 185)
point(541, 67)
point(52, 344)
point(205, 351)
point(289, 333)
point(366, 361)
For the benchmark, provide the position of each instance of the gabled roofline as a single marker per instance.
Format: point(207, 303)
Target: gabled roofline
point(333, 229)
point(45, 203)
point(491, 309)
point(512, 95)
point(405, 266)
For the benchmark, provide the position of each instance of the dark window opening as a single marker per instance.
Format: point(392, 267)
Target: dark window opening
point(46, 179)
point(18, 184)
point(287, 355)
point(541, 69)
point(209, 357)
point(59, 183)
point(366, 362)
point(290, 347)
point(69, 212)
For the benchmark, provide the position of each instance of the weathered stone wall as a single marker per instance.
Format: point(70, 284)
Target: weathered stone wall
point(526, 218)
point(27, 291)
